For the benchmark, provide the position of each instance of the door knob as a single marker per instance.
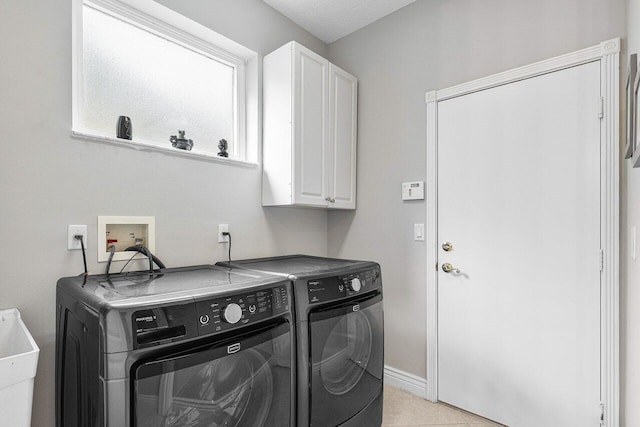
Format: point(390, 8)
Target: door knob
point(448, 268)
point(446, 246)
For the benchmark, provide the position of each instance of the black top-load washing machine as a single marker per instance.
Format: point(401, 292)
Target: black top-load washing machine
point(339, 322)
point(196, 346)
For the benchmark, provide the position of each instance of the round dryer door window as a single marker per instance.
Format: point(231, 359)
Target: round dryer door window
point(346, 353)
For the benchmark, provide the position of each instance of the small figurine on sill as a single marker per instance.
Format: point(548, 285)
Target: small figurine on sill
point(223, 146)
point(181, 142)
point(124, 128)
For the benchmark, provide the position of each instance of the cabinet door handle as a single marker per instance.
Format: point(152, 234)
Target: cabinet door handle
point(330, 200)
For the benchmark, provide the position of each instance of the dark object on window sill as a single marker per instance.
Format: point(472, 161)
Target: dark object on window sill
point(181, 142)
point(223, 146)
point(124, 129)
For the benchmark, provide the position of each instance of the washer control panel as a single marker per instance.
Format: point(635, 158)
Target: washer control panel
point(336, 287)
point(220, 314)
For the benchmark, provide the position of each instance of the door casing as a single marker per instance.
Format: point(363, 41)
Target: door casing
point(607, 54)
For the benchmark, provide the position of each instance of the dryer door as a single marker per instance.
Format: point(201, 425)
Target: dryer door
point(346, 359)
point(239, 382)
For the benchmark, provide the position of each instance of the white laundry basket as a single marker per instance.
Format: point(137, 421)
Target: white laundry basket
point(18, 363)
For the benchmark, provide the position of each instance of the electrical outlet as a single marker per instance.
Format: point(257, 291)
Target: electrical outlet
point(223, 228)
point(73, 230)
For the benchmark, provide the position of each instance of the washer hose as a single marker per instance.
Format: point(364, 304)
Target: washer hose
point(145, 251)
point(112, 251)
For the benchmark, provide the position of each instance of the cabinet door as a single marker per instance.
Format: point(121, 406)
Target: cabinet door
point(310, 125)
point(343, 100)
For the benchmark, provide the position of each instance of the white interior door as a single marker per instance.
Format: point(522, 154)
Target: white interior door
point(519, 200)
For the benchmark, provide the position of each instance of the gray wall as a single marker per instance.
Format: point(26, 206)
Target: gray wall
point(49, 180)
point(425, 46)
point(629, 269)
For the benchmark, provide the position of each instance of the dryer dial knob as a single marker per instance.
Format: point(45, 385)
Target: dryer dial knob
point(232, 313)
point(355, 285)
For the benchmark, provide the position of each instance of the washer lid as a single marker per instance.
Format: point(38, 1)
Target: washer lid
point(140, 285)
point(173, 284)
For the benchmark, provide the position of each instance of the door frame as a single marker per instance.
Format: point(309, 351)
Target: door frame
point(607, 54)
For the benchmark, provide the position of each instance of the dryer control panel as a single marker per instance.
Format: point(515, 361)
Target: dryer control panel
point(220, 314)
point(336, 287)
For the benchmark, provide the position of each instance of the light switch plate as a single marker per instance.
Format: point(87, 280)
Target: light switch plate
point(418, 232)
point(413, 190)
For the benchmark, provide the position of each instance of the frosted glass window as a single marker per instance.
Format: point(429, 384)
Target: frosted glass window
point(160, 84)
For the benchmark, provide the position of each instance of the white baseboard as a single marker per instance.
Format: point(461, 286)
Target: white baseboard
point(405, 381)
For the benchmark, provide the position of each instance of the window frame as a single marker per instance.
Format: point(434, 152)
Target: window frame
point(163, 22)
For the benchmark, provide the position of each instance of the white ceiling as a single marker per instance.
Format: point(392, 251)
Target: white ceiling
point(330, 20)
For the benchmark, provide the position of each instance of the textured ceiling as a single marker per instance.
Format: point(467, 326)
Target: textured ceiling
point(330, 20)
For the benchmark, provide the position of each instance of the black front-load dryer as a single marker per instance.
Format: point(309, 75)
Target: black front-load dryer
point(339, 328)
point(195, 346)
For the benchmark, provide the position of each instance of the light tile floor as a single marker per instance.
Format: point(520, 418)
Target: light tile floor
point(405, 409)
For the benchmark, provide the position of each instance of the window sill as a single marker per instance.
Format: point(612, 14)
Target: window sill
point(143, 145)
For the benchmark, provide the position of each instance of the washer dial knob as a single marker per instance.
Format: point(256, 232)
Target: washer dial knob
point(355, 285)
point(232, 313)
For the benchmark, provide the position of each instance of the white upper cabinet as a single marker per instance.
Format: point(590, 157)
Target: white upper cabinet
point(343, 113)
point(309, 140)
